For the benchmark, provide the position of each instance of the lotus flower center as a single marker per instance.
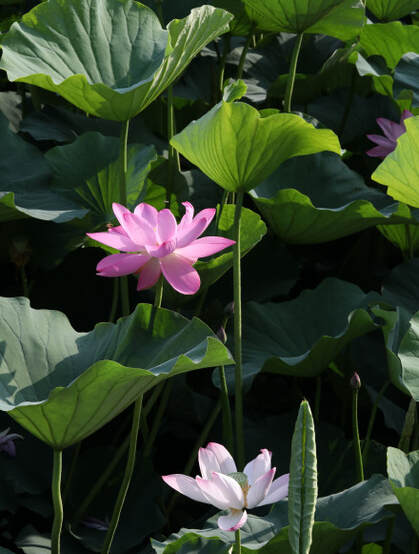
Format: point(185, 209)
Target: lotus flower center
point(241, 479)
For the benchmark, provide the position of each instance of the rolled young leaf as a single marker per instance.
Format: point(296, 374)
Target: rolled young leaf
point(238, 147)
point(62, 385)
point(302, 494)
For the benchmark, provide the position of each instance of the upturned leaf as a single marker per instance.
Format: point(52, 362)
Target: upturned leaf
point(110, 58)
point(391, 9)
point(399, 171)
point(238, 147)
point(342, 19)
point(62, 385)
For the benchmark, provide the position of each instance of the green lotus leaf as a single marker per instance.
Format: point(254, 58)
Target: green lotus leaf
point(405, 77)
point(88, 171)
point(62, 385)
point(238, 147)
point(403, 236)
point(389, 40)
point(403, 473)
point(342, 19)
point(26, 190)
point(314, 199)
point(399, 171)
point(301, 337)
point(401, 286)
point(391, 9)
point(110, 58)
point(401, 336)
point(339, 517)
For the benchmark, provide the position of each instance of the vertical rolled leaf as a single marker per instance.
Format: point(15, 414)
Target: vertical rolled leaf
point(302, 494)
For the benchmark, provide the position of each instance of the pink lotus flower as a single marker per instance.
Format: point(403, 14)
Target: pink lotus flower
point(392, 132)
point(154, 243)
point(7, 442)
point(227, 489)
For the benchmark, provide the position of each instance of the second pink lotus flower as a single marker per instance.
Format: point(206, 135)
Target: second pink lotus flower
point(392, 132)
point(227, 489)
point(153, 243)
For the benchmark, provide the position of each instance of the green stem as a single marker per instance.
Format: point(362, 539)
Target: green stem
point(173, 162)
point(198, 443)
point(158, 419)
point(115, 297)
point(227, 419)
point(123, 158)
point(226, 50)
point(71, 471)
point(244, 54)
point(238, 334)
point(371, 421)
point(292, 72)
point(159, 293)
point(129, 469)
point(389, 536)
point(410, 249)
point(57, 501)
point(355, 430)
point(238, 548)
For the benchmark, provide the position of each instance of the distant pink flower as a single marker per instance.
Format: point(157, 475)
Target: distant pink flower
point(392, 132)
point(154, 243)
point(7, 442)
point(227, 489)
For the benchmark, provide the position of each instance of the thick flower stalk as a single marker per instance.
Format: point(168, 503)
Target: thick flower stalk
point(153, 243)
point(392, 132)
point(7, 442)
point(227, 489)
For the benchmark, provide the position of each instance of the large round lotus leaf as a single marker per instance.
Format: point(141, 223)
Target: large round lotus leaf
point(238, 147)
point(63, 385)
point(337, 18)
point(314, 199)
point(392, 9)
point(389, 40)
point(399, 171)
point(88, 170)
point(110, 58)
point(403, 472)
point(302, 336)
point(403, 236)
point(339, 517)
point(25, 187)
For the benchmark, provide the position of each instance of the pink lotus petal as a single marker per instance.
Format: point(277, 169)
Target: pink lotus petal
point(180, 274)
point(258, 466)
point(166, 226)
point(277, 491)
point(117, 229)
point(139, 230)
point(233, 521)
point(260, 488)
point(222, 491)
point(185, 485)
point(405, 115)
point(115, 240)
point(149, 275)
point(208, 462)
point(390, 128)
point(225, 460)
point(120, 211)
point(117, 265)
point(382, 141)
point(379, 151)
point(205, 246)
point(187, 218)
point(163, 250)
point(147, 212)
point(195, 228)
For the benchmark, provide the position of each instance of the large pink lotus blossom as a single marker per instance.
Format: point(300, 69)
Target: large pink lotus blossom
point(153, 243)
point(227, 489)
point(392, 132)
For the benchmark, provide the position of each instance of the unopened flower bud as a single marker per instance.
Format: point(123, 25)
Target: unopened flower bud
point(222, 335)
point(355, 381)
point(20, 250)
point(229, 309)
